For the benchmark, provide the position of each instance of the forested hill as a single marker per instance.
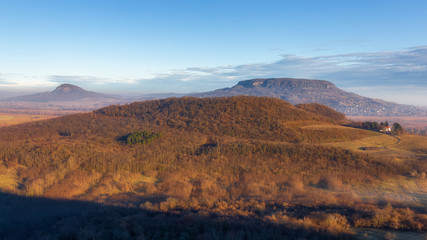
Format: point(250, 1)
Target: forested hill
point(324, 111)
point(242, 116)
point(220, 158)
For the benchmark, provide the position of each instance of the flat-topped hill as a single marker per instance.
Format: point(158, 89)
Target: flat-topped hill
point(298, 91)
point(286, 83)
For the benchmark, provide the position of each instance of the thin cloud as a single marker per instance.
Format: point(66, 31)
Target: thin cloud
point(413, 95)
point(396, 68)
point(367, 69)
point(9, 79)
point(78, 79)
point(3, 81)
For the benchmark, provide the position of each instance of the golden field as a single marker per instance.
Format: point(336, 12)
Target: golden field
point(7, 119)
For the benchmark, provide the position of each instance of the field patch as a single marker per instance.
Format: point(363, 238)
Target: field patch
point(413, 143)
point(329, 133)
point(7, 119)
point(323, 127)
point(377, 142)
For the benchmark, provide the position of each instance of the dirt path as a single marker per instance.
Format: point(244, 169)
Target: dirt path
point(397, 140)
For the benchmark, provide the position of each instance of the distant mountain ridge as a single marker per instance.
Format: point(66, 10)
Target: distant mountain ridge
point(299, 91)
point(64, 92)
point(292, 90)
point(64, 98)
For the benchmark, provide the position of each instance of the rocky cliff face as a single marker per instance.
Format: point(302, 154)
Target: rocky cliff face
point(286, 83)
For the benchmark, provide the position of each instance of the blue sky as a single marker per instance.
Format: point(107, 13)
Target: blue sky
point(374, 48)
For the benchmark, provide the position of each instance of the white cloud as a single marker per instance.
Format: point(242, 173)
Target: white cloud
point(373, 74)
point(78, 79)
point(386, 70)
point(355, 69)
point(413, 95)
point(15, 79)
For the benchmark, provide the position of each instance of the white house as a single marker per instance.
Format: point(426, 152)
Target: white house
point(386, 129)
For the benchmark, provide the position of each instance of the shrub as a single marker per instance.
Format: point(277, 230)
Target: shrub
point(331, 183)
point(140, 137)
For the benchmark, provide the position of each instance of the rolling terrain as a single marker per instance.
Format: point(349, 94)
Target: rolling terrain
point(209, 168)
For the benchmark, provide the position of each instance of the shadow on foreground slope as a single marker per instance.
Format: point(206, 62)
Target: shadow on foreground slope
point(41, 218)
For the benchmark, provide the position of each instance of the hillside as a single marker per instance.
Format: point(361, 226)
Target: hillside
point(297, 91)
point(324, 111)
point(216, 138)
point(248, 117)
point(251, 163)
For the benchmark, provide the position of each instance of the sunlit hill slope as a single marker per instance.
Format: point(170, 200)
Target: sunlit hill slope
point(199, 151)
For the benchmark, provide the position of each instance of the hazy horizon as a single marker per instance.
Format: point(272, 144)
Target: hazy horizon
point(136, 94)
point(373, 49)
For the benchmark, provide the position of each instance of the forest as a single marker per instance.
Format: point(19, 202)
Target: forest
point(199, 168)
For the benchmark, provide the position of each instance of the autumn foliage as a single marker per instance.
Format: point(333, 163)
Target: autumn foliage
point(251, 157)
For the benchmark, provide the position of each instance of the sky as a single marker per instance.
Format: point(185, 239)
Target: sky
point(374, 48)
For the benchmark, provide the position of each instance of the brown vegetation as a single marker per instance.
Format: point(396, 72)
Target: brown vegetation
point(324, 111)
point(240, 160)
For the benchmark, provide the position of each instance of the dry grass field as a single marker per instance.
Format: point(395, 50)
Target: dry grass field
point(375, 143)
point(16, 116)
point(403, 149)
point(7, 119)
